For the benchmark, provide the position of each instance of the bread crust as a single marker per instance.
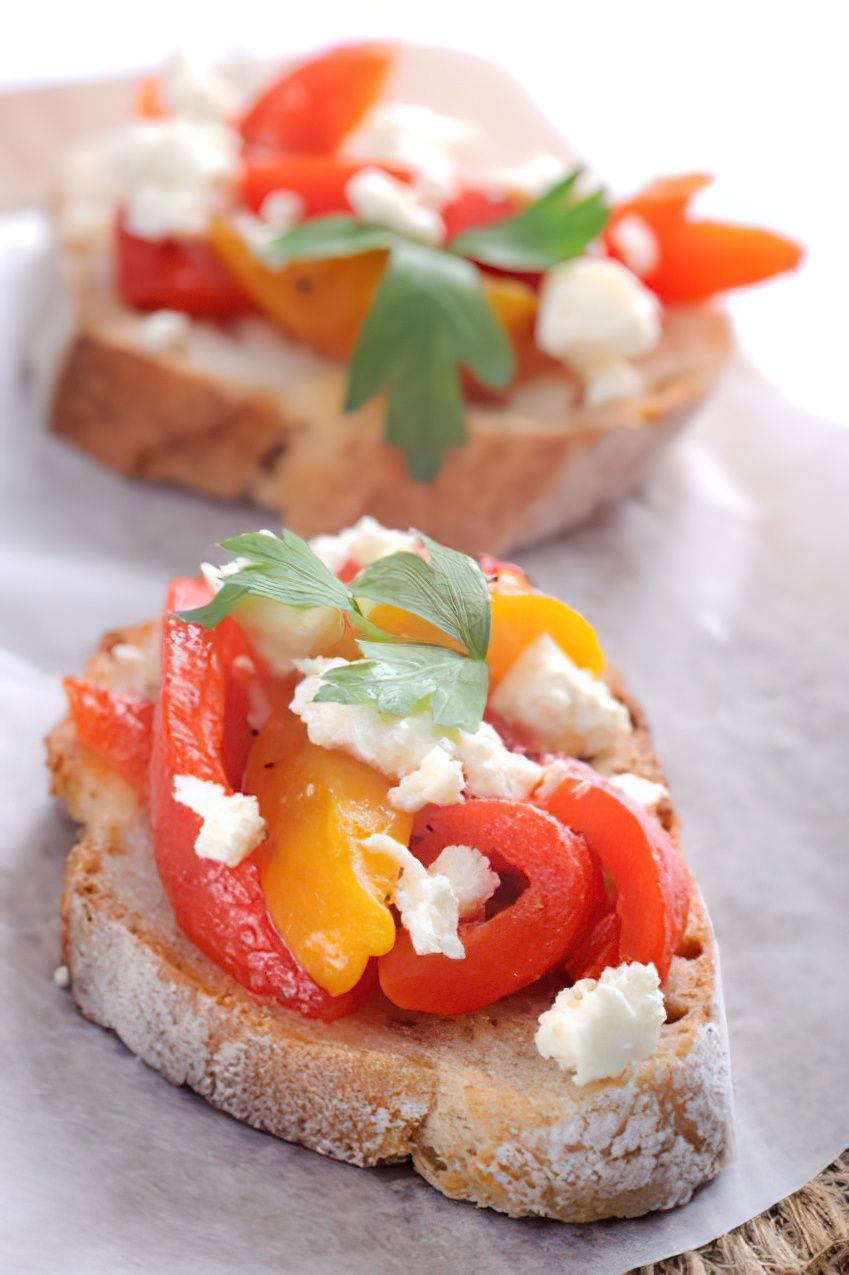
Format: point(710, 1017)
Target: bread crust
point(535, 465)
point(482, 1116)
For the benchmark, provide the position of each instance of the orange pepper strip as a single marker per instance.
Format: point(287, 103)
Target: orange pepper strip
point(324, 892)
point(698, 259)
point(518, 619)
point(312, 107)
point(148, 103)
point(320, 302)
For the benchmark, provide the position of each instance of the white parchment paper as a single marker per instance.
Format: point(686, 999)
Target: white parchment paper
point(722, 590)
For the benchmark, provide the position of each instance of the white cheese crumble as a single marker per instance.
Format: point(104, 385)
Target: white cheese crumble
point(126, 653)
point(363, 543)
point(493, 770)
point(472, 878)
point(62, 976)
point(193, 87)
point(597, 1028)
point(279, 211)
point(426, 901)
point(173, 174)
point(416, 137)
point(612, 380)
point(438, 780)
point(164, 331)
point(564, 707)
point(595, 315)
point(533, 178)
point(644, 792)
point(382, 200)
point(232, 826)
point(634, 238)
point(398, 746)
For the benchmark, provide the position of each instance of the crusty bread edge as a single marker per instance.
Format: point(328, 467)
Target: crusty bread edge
point(614, 1149)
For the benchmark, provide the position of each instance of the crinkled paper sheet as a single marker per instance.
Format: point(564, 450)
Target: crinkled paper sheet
point(722, 590)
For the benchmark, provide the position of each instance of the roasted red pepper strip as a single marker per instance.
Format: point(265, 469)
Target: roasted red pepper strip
point(598, 950)
point(651, 879)
point(474, 207)
point(171, 274)
point(319, 180)
point(698, 259)
point(115, 726)
point(221, 909)
point(560, 885)
point(313, 107)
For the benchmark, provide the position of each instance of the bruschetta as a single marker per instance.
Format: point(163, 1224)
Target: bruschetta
point(328, 301)
point(377, 856)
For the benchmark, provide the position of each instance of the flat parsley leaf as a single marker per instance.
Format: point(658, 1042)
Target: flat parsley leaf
point(429, 317)
point(448, 588)
point(338, 235)
point(403, 678)
point(554, 228)
point(282, 568)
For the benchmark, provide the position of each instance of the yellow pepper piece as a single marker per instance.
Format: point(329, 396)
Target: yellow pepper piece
point(325, 302)
point(520, 618)
point(412, 628)
point(320, 302)
point(325, 893)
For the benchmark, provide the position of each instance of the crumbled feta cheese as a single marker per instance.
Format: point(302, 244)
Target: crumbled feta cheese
point(398, 745)
point(86, 212)
point(611, 380)
point(596, 1028)
point(425, 901)
point(393, 745)
point(232, 826)
point(281, 209)
point(533, 177)
point(382, 200)
point(645, 792)
point(192, 87)
point(594, 314)
point(493, 770)
point(438, 781)
point(164, 331)
point(173, 174)
point(472, 878)
point(62, 976)
point(363, 544)
point(126, 653)
point(415, 137)
point(636, 241)
point(564, 707)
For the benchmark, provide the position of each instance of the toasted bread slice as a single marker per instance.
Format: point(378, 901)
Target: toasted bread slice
point(469, 1099)
point(242, 411)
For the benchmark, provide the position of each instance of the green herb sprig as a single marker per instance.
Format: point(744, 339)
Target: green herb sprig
point(446, 588)
point(430, 316)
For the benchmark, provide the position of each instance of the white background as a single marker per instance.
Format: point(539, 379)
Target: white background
point(753, 92)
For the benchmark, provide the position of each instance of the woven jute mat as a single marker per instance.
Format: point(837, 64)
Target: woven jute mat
point(806, 1234)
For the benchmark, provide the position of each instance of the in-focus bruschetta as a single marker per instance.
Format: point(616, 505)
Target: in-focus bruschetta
point(378, 857)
